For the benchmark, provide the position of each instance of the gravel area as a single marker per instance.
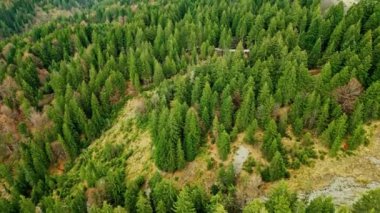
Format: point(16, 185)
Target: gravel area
point(240, 157)
point(343, 190)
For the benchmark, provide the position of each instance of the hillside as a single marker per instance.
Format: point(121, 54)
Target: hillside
point(189, 106)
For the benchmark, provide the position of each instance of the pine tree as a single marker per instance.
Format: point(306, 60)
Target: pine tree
point(132, 67)
point(96, 118)
point(226, 112)
point(255, 206)
point(250, 132)
point(40, 159)
point(192, 135)
point(369, 202)
point(196, 91)
point(334, 134)
point(358, 138)
point(265, 105)
point(171, 142)
point(270, 139)
point(311, 110)
point(323, 117)
point(245, 112)
point(286, 87)
point(223, 145)
point(69, 135)
point(161, 207)
point(281, 200)
point(26, 205)
point(321, 204)
point(143, 205)
point(154, 126)
point(161, 145)
point(356, 118)
point(165, 193)
point(184, 203)
point(158, 75)
point(315, 54)
point(323, 82)
point(277, 169)
point(216, 129)
point(206, 105)
point(180, 156)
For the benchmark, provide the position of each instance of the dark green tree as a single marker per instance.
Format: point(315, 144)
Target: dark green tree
point(321, 205)
point(277, 169)
point(192, 135)
point(223, 144)
point(369, 202)
point(184, 203)
point(143, 205)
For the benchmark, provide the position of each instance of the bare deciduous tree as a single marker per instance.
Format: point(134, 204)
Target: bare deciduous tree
point(347, 94)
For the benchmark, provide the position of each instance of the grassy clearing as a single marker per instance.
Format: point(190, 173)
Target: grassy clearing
point(360, 165)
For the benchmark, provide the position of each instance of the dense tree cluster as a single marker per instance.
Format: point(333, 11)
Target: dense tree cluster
point(17, 15)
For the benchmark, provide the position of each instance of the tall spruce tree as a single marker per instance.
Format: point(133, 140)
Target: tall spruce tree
point(277, 169)
point(192, 135)
point(223, 144)
point(184, 203)
point(143, 205)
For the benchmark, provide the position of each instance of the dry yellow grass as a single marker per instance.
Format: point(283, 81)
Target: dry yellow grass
point(359, 166)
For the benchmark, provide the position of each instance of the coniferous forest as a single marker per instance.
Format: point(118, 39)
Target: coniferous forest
point(144, 106)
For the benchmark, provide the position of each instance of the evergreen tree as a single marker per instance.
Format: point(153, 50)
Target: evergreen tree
point(223, 145)
point(265, 105)
point(143, 205)
point(281, 200)
point(270, 140)
point(226, 112)
point(26, 205)
point(255, 206)
point(206, 105)
point(323, 117)
point(277, 169)
point(170, 143)
point(244, 113)
point(315, 54)
point(180, 156)
point(184, 203)
point(369, 202)
point(334, 134)
point(286, 87)
point(158, 75)
point(358, 138)
point(165, 193)
point(192, 135)
point(321, 205)
point(250, 132)
point(196, 91)
point(356, 118)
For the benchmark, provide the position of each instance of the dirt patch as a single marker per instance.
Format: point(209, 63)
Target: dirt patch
point(315, 71)
point(240, 157)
